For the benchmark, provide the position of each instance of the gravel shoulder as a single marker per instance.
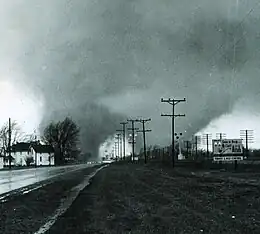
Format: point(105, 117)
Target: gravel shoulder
point(132, 198)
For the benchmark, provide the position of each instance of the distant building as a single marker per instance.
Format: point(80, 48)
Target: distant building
point(20, 151)
point(35, 152)
point(1, 161)
point(42, 154)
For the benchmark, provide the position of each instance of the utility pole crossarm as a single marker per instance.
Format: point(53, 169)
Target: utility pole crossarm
point(168, 115)
point(173, 101)
point(147, 130)
point(143, 120)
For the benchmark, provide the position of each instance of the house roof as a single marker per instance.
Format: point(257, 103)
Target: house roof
point(43, 149)
point(23, 146)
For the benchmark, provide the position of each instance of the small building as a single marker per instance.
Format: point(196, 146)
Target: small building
point(20, 152)
point(43, 155)
point(1, 161)
point(27, 153)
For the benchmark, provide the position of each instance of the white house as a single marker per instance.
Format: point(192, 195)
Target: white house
point(24, 152)
point(42, 154)
point(20, 152)
point(1, 162)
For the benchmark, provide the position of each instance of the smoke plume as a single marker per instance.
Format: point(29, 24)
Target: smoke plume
point(103, 61)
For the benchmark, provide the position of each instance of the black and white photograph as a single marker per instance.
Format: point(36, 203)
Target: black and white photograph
point(130, 116)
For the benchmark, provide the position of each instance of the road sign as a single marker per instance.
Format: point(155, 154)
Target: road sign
point(228, 158)
point(227, 147)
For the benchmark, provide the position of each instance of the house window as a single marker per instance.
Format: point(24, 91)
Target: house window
point(41, 159)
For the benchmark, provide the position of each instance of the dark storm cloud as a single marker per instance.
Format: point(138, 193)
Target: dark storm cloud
point(101, 61)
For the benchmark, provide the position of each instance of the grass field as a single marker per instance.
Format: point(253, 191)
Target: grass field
point(132, 198)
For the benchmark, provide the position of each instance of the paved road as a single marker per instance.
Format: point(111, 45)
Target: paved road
point(16, 179)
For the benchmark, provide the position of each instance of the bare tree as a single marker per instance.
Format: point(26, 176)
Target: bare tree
point(63, 136)
point(16, 135)
point(29, 138)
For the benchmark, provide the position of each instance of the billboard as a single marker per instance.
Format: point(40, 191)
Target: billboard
point(227, 147)
point(228, 158)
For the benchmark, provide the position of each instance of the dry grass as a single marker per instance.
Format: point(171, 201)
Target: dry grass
point(137, 199)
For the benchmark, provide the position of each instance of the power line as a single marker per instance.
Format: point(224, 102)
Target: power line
point(143, 121)
point(173, 102)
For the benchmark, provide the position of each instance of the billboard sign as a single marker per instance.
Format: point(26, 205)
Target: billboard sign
point(228, 158)
point(226, 147)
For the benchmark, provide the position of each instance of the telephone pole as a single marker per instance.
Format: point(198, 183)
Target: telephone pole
point(121, 143)
point(247, 136)
point(123, 125)
point(118, 135)
point(196, 145)
point(143, 121)
point(187, 148)
point(206, 138)
point(133, 129)
point(115, 151)
point(9, 143)
point(196, 142)
point(221, 135)
point(173, 102)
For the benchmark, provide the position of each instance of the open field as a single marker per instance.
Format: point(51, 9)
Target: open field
point(133, 198)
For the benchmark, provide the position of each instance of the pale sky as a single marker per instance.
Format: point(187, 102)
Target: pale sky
point(19, 106)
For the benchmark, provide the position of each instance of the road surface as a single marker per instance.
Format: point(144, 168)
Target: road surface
point(35, 208)
point(16, 179)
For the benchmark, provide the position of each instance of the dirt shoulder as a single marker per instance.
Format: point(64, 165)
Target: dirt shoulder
point(144, 199)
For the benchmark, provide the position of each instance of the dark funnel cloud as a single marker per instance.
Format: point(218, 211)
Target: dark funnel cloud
point(103, 61)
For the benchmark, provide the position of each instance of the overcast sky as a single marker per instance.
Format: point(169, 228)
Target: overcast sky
point(104, 61)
